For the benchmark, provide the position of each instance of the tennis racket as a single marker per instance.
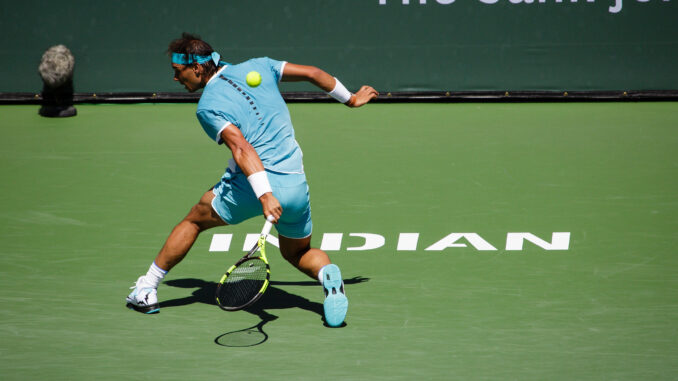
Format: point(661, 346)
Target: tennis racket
point(246, 281)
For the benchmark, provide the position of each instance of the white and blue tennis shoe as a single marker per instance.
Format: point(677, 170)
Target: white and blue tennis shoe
point(336, 303)
point(143, 298)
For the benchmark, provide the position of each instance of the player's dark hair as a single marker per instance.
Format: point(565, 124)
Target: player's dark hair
point(193, 44)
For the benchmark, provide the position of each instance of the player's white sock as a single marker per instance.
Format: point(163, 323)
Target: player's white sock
point(320, 274)
point(154, 276)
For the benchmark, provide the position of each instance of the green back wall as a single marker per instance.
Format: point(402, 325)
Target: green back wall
point(395, 45)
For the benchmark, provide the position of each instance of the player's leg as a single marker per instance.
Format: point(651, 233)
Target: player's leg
point(299, 253)
point(316, 264)
point(294, 236)
point(201, 217)
point(143, 297)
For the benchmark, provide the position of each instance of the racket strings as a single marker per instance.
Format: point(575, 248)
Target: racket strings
point(243, 283)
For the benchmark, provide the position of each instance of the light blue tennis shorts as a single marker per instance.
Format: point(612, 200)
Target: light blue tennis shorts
point(236, 202)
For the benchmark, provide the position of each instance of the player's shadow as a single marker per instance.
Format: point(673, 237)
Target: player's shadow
point(274, 298)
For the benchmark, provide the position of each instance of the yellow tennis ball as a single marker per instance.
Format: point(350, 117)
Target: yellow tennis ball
point(253, 79)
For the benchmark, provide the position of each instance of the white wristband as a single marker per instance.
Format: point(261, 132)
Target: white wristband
point(340, 92)
point(259, 183)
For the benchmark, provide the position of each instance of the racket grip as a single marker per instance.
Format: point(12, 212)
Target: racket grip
point(267, 226)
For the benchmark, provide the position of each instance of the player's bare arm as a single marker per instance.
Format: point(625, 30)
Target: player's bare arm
point(322, 79)
point(250, 163)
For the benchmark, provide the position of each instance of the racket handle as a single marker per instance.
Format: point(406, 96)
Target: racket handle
point(267, 226)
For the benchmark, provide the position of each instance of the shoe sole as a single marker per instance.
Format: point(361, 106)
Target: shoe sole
point(335, 305)
point(154, 309)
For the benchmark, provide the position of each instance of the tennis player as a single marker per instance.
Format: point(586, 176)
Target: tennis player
point(266, 174)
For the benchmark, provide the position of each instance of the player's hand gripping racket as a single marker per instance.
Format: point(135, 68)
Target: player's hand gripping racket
point(246, 281)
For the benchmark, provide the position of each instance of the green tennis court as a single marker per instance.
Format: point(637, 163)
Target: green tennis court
point(422, 206)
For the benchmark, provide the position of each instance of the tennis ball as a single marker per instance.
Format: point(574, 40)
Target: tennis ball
point(253, 79)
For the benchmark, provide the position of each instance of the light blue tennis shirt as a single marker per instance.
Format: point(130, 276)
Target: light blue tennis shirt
point(259, 112)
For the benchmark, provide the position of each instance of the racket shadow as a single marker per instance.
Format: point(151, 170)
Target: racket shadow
point(247, 337)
